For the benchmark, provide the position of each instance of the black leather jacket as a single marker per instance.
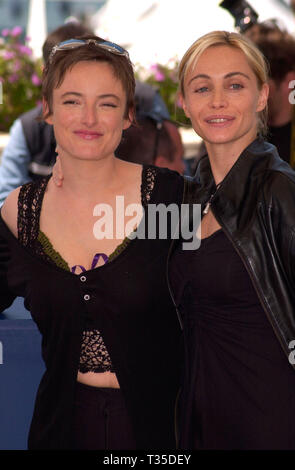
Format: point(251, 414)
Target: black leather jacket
point(255, 206)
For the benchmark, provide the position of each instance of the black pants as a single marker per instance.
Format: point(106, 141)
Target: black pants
point(101, 420)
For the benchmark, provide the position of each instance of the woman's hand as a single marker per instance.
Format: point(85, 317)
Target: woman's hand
point(57, 173)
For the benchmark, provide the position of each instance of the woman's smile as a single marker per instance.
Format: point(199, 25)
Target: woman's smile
point(88, 135)
point(219, 120)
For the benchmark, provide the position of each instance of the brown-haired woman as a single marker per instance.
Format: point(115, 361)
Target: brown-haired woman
point(110, 334)
point(236, 292)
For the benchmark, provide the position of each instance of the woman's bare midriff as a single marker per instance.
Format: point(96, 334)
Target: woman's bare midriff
point(99, 379)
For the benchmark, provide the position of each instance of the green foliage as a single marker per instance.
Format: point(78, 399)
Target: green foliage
point(20, 80)
point(20, 77)
point(164, 79)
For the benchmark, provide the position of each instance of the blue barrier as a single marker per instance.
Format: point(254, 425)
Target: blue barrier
point(21, 368)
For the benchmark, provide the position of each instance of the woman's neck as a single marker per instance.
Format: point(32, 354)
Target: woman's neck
point(221, 162)
point(85, 179)
point(223, 157)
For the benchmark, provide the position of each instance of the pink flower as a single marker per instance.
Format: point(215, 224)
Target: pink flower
point(8, 55)
point(13, 78)
point(159, 76)
point(16, 31)
point(17, 65)
point(35, 79)
point(173, 76)
point(24, 49)
point(5, 32)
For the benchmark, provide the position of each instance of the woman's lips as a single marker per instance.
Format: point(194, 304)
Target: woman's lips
point(219, 121)
point(88, 135)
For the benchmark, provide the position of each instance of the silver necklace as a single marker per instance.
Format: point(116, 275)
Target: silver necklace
point(208, 204)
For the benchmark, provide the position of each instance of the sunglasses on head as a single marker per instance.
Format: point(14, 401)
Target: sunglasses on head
point(74, 43)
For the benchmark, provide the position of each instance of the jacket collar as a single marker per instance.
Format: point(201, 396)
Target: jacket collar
point(255, 156)
point(241, 182)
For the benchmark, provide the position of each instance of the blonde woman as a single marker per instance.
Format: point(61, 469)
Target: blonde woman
point(236, 292)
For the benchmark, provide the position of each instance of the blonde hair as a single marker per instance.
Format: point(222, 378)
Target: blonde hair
point(254, 57)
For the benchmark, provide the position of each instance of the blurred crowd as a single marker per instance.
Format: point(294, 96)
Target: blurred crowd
point(156, 139)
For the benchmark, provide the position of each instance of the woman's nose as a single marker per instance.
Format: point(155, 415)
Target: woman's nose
point(89, 115)
point(218, 98)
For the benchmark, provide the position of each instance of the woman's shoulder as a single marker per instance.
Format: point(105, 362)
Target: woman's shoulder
point(167, 184)
point(278, 176)
point(24, 200)
point(164, 175)
point(9, 210)
point(165, 172)
point(278, 187)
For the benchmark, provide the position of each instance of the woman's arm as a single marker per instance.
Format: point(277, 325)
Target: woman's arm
point(6, 296)
point(280, 201)
point(9, 215)
point(9, 211)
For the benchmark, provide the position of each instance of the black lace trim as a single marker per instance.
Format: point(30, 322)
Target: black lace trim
point(147, 184)
point(28, 216)
point(94, 356)
point(29, 207)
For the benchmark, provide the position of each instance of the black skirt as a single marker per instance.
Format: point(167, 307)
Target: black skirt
point(101, 421)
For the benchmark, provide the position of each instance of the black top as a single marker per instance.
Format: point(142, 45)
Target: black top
point(128, 301)
point(241, 388)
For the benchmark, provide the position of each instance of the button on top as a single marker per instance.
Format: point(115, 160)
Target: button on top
point(86, 297)
point(83, 278)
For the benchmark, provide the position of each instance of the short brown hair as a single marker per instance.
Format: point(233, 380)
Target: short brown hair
point(63, 60)
point(66, 31)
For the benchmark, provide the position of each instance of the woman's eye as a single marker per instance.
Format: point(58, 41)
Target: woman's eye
point(109, 105)
point(70, 102)
point(201, 89)
point(236, 86)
